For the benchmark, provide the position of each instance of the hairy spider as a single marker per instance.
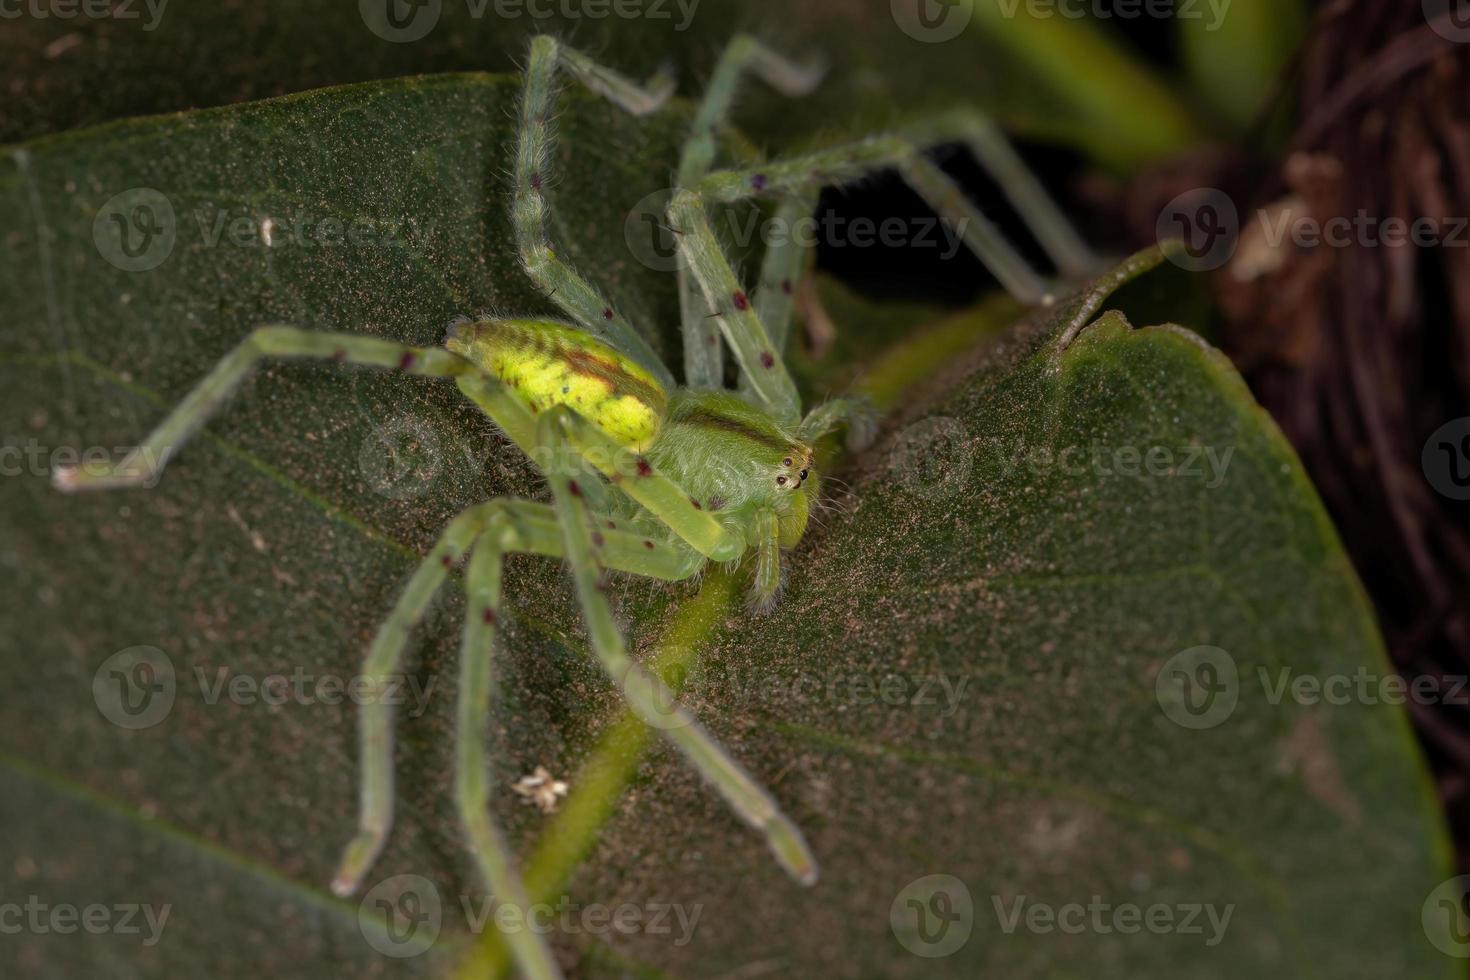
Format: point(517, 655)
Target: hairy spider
point(645, 477)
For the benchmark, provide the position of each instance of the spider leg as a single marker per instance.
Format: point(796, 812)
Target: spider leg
point(656, 493)
point(375, 717)
point(535, 151)
point(753, 338)
point(703, 358)
point(1058, 236)
point(471, 768)
point(520, 526)
point(782, 268)
point(142, 466)
point(766, 540)
point(856, 413)
point(646, 693)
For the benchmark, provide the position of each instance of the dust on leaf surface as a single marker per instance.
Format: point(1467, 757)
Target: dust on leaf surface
point(1035, 604)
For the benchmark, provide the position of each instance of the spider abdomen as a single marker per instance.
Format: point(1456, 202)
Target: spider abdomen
point(548, 363)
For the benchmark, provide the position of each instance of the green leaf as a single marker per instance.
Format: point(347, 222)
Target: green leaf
point(274, 546)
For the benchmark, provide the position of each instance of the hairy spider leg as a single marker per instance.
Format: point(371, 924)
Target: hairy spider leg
point(802, 176)
point(645, 692)
point(703, 352)
point(516, 526)
point(146, 461)
point(535, 152)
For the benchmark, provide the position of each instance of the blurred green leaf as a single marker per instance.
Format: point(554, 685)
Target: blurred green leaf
point(1236, 54)
point(1049, 77)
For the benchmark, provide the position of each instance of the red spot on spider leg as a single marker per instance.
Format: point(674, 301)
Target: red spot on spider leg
point(740, 300)
point(339, 354)
point(758, 182)
point(767, 361)
point(607, 314)
point(597, 538)
point(648, 544)
point(716, 502)
point(643, 468)
point(406, 361)
point(611, 526)
point(447, 560)
point(695, 503)
point(489, 617)
point(535, 182)
point(573, 489)
point(786, 286)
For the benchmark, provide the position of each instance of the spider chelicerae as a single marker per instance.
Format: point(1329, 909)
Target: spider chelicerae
point(646, 477)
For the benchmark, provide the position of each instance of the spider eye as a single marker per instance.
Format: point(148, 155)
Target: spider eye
point(780, 481)
point(786, 461)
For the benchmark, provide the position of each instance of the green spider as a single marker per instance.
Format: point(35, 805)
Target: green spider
point(646, 477)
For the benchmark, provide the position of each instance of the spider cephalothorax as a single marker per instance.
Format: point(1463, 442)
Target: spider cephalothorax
point(645, 476)
point(735, 460)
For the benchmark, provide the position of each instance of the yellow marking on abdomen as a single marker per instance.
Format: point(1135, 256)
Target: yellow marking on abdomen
point(550, 364)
